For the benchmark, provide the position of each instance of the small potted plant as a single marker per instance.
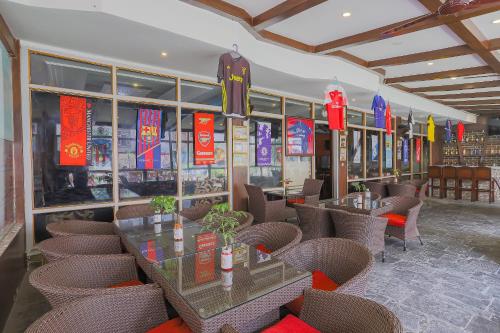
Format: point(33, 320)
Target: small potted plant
point(358, 187)
point(397, 174)
point(223, 221)
point(162, 204)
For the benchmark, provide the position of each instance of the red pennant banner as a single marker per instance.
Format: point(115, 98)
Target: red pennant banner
point(204, 151)
point(73, 149)
point(418, 147)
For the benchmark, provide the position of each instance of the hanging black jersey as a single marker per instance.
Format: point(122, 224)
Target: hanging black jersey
point(234, 76)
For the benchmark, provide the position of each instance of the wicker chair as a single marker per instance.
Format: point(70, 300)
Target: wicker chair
point(401, 190)
point(264, 210)
point(54, 249)
point(312, 189)
point(77, 277)
point(409, 207)
point(344, 261)
point(374, 195)
point(79, 227)
point(197, 212)
point(135, 312)
point(365, 229)
point(377, 187)
point(133, 211)
point(314, 222)
point(421, 185)
point(245, 222)
point(278, 237)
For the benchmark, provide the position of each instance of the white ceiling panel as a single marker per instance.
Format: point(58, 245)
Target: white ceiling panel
point(437, 66)
point(485, 24)
point(420, 41)
point(255, 7)
point(324, 22)
point(459, 80)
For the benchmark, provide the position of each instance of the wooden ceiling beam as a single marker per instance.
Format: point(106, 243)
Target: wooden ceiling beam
point(478, 107)
point(483, 94)
point(487, 112)
point(349, 57)
point(224, 8)
point(8, 38)
point(494, 44)
point(279, 39)
point(441, 75)
point(473, 102)
point(462, 86)
point(283, 11)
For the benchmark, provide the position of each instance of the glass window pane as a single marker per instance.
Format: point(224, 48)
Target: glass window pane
point(266, 176)
point(211, 178)
point(41, 220)
point(354, 118)
point(355, 153)
point(137, 84)
point(320, 112)
point(370, 120)
point(63, 73)
point(388, 154)
point(265, 103)
point(137, 182)
point(201, 93)
point(298, 168)
point(416, 165)
point(57, 183)
point(405, 167)
point(425, 153)
point(189, 203)
point(297, 108)
point(323, 156)
point(372, 154)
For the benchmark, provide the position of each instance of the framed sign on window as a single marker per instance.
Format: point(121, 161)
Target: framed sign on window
point(299, 136)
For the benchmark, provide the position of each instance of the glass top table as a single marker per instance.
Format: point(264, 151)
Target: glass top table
point(210, 291)
point(365, 203)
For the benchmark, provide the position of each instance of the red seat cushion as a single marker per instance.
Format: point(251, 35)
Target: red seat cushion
point(395, 220)
point(320, 281)
point(176, 325)
point(296, 201)
point(262, 248)
point(291, 324)
point(130, 283)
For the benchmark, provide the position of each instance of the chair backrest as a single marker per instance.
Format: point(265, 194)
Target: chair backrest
point(449, 172)
point(434, 171)
point(256, 202)
point(482, 173)
point(79, 227)
point(197, 212)
point(402, 190)
point(377, 187)
point(401, 204)
point(312, 186)
point(464, 172)
point(135, 312)
point(314, 222)
point(133, 211)
point(337, 312)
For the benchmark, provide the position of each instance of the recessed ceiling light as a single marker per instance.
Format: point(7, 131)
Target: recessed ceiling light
point(454, 78)
point(164, 54)
point(135, 84)
point(353, 99)
point(497, 21)
point(430, 63)
point(346, 14)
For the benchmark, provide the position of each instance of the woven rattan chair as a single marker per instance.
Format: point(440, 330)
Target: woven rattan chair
point(365, 229)
point(409, 207)
point(77, 277)
point(346, 262)
point(264, 210)
point(134, 211)
point(278, 237)
point(314, 222)
point(79, 227)
point(312, 189)
point(401, 190)
point(58, 248)
point(377, 187)
point(135, 312)
point(197, 212)
point(421, 185)
point(374, 195)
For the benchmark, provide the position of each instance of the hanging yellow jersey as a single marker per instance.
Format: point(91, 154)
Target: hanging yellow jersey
point(430, 128)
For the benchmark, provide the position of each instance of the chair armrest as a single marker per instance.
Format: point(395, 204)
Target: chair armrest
point(311, 198)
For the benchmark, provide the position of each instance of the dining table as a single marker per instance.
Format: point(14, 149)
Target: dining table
point(365, 203)
point(247, 296)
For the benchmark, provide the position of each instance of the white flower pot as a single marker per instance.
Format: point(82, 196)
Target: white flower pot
point(226, 260)
point(157, 218)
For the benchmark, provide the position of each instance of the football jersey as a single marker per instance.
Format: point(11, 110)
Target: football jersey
point(388, 119)
point(378, 107)
point(460, 131)
point(411, 122)
point(447, 131)
point(335, 109)
point(430, 128)
point(234, 76)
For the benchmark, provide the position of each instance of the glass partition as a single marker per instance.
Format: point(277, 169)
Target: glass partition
point(355, 153)
point(191, 203)
point(138, 84)
point(372, 154)
point(298, 168)
point(139, 179)
point(265, 103)
point(426, 152)
point(387, 154)
point(297, 108)
point(201, 93)
point(320, 112)
point(416, 154)
point(354, 118)
point(405, 156)
point(370, 119)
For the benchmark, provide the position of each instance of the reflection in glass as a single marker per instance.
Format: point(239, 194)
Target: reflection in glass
point(323, 153)
point(425, 153)
point(372, 154)
point(354, 153)
point(201, 179)
point(201, 93)
point(191, 203)
point(320, 111)
point(69, 74)
point(265, 103)
point(298, 169)
point(416, 165)
point(135, 182)
point(297, 108)
point(370, 120)
point(137, 84)
point(354, 118)
point(56, 184)
point(266, 176)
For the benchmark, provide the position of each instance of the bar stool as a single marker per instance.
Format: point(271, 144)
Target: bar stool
point(433, 173)
point(483, 174)
point(465, 173)
point(448, 172)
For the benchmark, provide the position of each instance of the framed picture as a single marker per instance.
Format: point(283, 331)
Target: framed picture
point(343, 141)
point(299, 136)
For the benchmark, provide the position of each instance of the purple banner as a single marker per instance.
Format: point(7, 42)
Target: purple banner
point(263, 144)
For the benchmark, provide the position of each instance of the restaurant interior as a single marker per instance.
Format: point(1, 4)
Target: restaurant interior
point(250, 166)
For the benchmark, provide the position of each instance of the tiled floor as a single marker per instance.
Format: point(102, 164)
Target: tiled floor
point(451, 284)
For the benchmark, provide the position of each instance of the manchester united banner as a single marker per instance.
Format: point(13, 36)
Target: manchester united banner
point(73, 112)
point(148, 139)
point(204, 152)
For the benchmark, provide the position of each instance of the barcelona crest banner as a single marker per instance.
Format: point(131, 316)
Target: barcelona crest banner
point(73, 149)
point(148, 139)
point(204, 148)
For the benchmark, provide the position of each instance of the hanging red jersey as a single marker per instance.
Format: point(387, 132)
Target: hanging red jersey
point(335, 101)
point(460, 131)
point(388, 119)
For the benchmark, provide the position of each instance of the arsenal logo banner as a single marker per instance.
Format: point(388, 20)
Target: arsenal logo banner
point(204, 139)
point(148, 139)
point(73, 149)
